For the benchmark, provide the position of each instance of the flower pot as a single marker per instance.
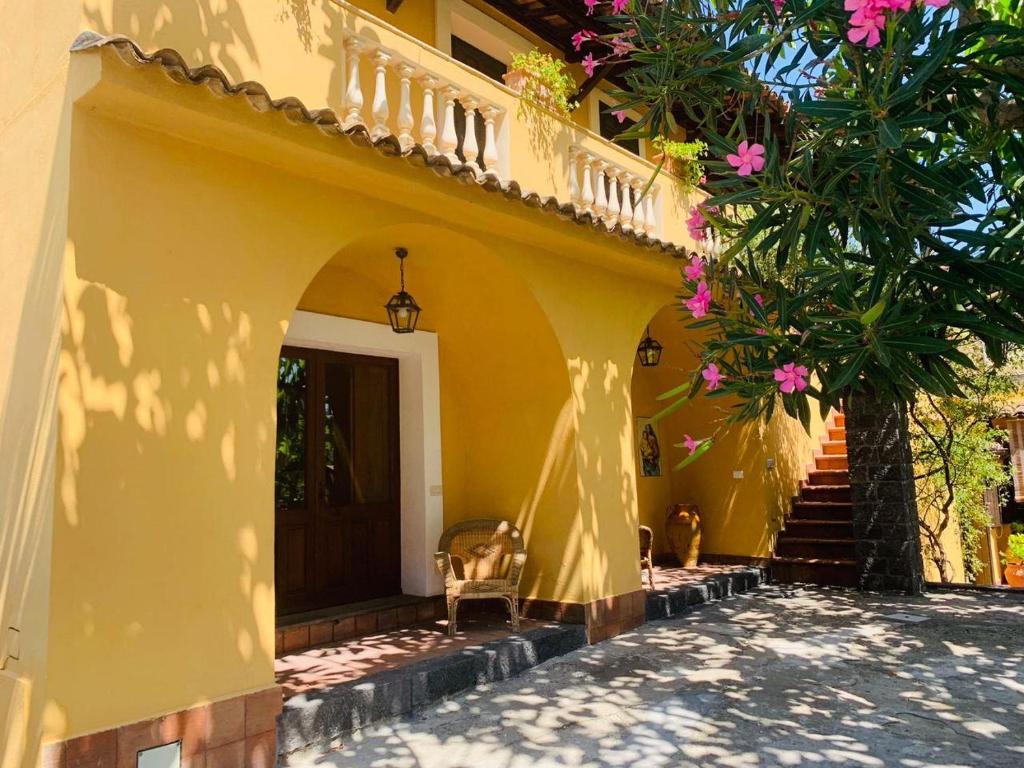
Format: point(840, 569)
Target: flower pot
point(1014, 573)
point(517, 80)
point(683, 532)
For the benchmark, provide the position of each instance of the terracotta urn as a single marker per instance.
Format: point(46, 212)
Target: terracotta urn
point(682, 529)
point(1014, 573)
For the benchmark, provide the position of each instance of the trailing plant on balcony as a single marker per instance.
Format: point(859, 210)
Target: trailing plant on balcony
point(541, 79)
point(682, 159)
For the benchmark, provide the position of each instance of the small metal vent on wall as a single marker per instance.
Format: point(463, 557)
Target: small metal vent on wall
point(166, 756)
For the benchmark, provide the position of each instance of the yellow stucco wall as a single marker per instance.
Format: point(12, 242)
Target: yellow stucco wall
point(739, 515)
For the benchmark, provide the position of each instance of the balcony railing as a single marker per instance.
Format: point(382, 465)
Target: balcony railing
point(396, 85)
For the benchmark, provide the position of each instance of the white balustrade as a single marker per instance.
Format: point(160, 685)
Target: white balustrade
point(405, 118)
point(380, 96)
point(428, 127)
point(626, 209)
point(449, 140)
point(470, 150)
point(611, 194)
point(639, 220)
point(353, 89)
point(436, 132)
point(597, 186)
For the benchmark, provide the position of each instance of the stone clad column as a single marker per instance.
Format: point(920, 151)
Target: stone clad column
point(885, 521)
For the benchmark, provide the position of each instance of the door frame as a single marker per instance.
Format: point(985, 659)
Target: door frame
point(419, 416)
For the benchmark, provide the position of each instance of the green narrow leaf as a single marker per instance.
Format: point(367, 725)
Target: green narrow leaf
point(873, 314)
point(890, 134)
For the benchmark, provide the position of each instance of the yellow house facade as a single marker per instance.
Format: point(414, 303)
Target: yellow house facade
point(190, 188)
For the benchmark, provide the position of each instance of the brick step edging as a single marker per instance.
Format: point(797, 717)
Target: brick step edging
point(317, 720)
point(673, 602)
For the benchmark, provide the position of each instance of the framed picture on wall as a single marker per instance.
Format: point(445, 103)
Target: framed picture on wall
point(649, 447)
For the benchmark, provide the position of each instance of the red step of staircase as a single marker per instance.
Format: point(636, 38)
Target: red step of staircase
point(817, 545)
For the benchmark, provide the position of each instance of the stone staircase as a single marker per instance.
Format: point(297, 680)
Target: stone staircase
point(816, 545)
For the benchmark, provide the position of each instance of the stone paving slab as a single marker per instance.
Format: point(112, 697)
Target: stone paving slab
point(780, 676)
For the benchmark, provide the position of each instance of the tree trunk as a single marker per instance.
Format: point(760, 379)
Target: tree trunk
point(885, 522)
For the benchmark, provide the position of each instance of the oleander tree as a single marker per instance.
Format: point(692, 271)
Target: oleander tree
point(865, 187)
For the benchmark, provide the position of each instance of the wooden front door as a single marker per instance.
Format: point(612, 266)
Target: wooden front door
point(337, 489)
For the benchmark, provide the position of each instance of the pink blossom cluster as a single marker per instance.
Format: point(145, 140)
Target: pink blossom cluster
point(697, 224)
point(791, 377)
point(700, 302)
point(867, 17)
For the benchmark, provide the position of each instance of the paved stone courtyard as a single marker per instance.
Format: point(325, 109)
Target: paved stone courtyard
point(782, 676)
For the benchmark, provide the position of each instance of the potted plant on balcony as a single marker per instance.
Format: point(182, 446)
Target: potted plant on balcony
point(1013, 559)
point(681, 159)
point(541, 79)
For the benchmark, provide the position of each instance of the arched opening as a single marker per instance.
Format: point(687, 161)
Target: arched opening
point(658, 486)
point(402, 435)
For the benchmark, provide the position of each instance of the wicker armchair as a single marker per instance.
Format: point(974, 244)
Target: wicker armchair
point(647, 554)
point(481, 559)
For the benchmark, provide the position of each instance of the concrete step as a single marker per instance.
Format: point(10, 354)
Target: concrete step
point(818, 529)
point(797, 570)
point(311, 721)
point(832, 461)
point(788, 545)
point(834, 447)
point(821, 510)
point(837, 433)
point(670, 603)
point(828, 477)
point(825, 493)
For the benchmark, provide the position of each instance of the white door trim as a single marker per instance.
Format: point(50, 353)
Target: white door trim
point(419, 409)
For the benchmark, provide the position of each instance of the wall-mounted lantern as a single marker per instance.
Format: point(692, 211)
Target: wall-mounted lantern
point(649, 351)
point(403, 311)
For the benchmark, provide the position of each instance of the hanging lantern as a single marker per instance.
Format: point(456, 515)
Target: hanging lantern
point(649, 351)
point(403, 311)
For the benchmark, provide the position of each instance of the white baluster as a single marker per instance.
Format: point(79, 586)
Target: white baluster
point(613, 196)
point(600, 197)
point(405, 118)
point(490, 144)
point(574, 181)
point(380, 96)
point(428, 127)
point(587, 193)
point(470, 150)
point(649, 216)
point(639, 220)
point(626, 211)
point(353, 91)
point(449, 140)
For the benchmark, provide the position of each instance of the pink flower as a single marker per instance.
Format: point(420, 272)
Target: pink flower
point(747, 158)
point(896, 5)
point(761, 332)
point(581, 37)
point(759, 299)
point(791, 376)
point(700, 302)
point(621, 47)
point(591, 4)
point(779, 4)
point(712, 376)
point(690, 443)
point(589, 64)
point(936, 3)
point(619, 6)
point(703, 180)
point(620, 115)
point(694, 271)
point(697, 224)
point(866, 28)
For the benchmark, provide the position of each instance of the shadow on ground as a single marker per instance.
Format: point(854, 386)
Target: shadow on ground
point(781, 676)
